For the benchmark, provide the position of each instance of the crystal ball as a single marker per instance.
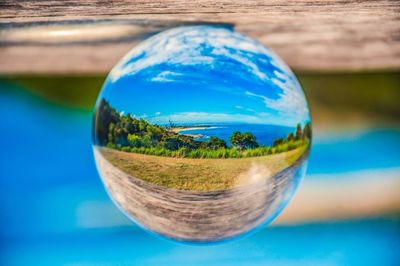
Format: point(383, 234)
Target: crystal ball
point(201, 134)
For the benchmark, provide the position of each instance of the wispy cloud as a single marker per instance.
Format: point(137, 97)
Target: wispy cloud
point(181, 46)
point(190, 53)
point(290, 104)
point(166, 76)
point(244, 108)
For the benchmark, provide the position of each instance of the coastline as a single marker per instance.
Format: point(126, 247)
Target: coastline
point(180, 129)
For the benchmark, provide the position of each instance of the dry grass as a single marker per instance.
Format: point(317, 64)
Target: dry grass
point(200, 174)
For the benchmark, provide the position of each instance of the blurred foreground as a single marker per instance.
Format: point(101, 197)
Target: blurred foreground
point(55, 211)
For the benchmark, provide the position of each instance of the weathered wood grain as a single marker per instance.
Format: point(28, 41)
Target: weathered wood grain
point(308, 35)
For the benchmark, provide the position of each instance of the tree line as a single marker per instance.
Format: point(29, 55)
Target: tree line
point(127, 133)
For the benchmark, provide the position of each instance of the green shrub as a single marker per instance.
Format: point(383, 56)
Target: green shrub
point(204, 153)
point(127, 133)
point(111, 145)
point(134, 140)
point(126, 149)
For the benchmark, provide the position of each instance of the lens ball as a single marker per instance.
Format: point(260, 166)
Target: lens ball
point(201, 134)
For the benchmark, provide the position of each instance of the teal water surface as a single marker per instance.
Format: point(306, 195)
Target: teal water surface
point(54, 210)
point(265, 134)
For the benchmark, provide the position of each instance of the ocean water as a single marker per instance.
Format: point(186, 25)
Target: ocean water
point(331, 152)
point(55, 211)
point(265, 134)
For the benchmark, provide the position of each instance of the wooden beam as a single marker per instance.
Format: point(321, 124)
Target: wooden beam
point(319, 35)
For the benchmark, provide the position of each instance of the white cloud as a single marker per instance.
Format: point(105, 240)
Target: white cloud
point(166, 76)
point(243, 108)
point(183, 46)
point(291, 104)
point(206, 45)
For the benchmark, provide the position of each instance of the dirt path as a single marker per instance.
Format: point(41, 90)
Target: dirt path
point(200, 174)
point(198, 216)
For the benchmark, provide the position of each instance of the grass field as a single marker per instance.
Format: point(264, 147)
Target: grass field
point(200, 174)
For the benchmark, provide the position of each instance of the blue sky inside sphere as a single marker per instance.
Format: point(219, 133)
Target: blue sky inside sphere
point(205, 75)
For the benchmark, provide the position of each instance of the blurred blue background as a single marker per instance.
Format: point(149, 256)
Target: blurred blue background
point(55, 211)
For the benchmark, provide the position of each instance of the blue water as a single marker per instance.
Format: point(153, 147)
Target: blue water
point(376, 148)
point(54, 210)
point(368, 242)
point(265, 134)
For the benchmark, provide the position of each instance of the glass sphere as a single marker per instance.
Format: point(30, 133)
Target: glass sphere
point(201, 134)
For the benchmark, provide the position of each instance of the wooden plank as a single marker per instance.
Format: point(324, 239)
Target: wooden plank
point(309, 35)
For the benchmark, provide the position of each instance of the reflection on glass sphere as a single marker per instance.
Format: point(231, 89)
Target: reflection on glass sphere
point(201, 134)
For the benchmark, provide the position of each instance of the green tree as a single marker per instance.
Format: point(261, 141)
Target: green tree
point(307, 131)
point(110, 138)
point(147, 142)
point(134, 141)
point(243, 140)
point(105, 115)
point(129, 125)
point(299, 132)
point(154, 132)
point(214, 143)
point(277, 142)
point(120, 135)
point(290, 137)
point(250, 141)
point(143, 125)
point(173, 143)
point(236, 139)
